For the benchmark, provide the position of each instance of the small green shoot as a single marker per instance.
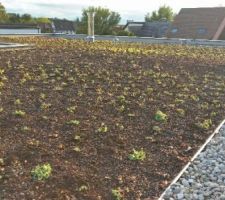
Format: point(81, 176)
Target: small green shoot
point(160, 116)
point(103, 128)
point(116, 193)
point(137, 155)
point(73, 122)
point(19, 113)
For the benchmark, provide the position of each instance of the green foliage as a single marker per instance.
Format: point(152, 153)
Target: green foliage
point(73, 122)
point(3, 15)
point(116, 193)
point(149, 90)
point(25, 129)
point(122, 99)
point(137, 155)
point(41, 172)
point(77, 149)
point(14, 18)
point(83, 188)
point(194, 97)
point(43, 20)
point(71, 109)
point(26, 18)
point(103, 128)
point(164, 12)
point(1, 161)
point(160, 116)
point(206, 124)
point(19, 113)
point(45, 106)
point(123, 33)
point(17, 102)
point(77, 138)
point(105, 20)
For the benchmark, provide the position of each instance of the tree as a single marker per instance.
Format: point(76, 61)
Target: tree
point(27, 18)
point(3, 14)
point(43, 20)
point(105, 20)
point(14, 18)
point(164, 12)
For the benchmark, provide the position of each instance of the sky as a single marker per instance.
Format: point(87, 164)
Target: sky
point(128, 9)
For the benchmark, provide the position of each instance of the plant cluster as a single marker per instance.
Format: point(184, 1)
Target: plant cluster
point(41, 172)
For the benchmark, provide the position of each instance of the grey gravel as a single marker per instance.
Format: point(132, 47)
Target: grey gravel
point(204, 179)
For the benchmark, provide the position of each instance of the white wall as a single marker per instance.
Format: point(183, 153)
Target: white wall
point(19, 31)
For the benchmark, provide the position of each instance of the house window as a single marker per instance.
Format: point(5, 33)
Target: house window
point(201, 31)
point(174, 30)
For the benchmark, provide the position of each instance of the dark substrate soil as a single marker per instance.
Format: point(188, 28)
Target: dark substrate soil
point(99, 79)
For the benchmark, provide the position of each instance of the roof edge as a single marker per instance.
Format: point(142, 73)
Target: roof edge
point(219, 30)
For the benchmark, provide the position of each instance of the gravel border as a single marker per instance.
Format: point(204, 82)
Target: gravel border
point(204, 176)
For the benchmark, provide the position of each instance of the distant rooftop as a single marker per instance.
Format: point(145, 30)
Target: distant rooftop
point(18, 26)
point(199, 23)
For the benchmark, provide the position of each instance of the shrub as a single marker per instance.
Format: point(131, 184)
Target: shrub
point(19, 113)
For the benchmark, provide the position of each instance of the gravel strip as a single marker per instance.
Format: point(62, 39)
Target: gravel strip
point(204, 179)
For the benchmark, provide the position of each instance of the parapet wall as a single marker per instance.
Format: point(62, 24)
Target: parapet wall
point(146, 40)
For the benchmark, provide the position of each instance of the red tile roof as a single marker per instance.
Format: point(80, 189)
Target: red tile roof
point(198, 23)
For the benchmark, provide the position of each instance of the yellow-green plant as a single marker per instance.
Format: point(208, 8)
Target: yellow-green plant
point(160, 116)
point(73, 122)
point(206, 124)
point(117, 195)
point(103, 128)
point(41, 172)
point(137, 155)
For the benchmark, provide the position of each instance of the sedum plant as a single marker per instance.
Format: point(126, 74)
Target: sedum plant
point(41, 172)
point(137, 155)
point(160, 116)
point(116, 193)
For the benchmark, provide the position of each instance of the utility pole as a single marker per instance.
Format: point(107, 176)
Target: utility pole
point(91, 25)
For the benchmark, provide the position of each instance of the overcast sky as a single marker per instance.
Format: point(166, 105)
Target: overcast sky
point(128, 9)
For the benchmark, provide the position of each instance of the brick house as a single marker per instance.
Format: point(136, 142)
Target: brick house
point(199, 23)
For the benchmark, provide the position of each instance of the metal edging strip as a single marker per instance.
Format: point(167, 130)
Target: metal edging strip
point(193, 158)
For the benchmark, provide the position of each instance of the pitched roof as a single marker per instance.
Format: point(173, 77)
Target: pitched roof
point(134, 27)
point(198, 23)
point(18, 26)
point(63, 25)
point(154, 29)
